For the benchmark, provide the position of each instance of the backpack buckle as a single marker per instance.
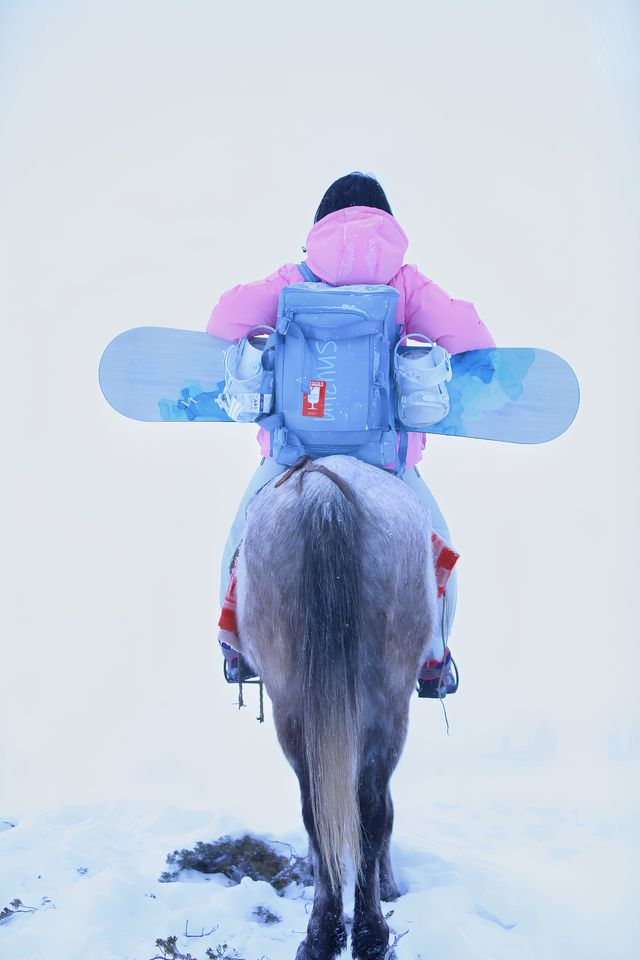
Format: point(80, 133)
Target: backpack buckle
point(284, 321)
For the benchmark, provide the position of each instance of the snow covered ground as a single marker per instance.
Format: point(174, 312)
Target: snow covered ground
point(523, 882)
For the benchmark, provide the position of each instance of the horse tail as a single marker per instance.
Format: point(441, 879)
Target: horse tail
point(328, 609)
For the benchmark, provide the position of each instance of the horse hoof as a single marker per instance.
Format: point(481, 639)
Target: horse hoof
point(305, 952)
point(389, 894)
point(370, 939)
point(328, 949)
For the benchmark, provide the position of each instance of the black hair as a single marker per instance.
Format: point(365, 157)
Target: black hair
point(354, 190)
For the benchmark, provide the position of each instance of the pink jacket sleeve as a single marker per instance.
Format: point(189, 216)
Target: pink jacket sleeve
point(454, 324)
point(250, 304)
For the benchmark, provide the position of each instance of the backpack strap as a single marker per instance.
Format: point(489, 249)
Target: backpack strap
point(307, 273)
point(401, 457)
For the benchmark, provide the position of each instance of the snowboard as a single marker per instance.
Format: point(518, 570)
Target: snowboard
point(512, 394)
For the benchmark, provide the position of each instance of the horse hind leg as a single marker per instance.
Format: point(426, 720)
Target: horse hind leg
point(370, 933)
point(389, 890)
point(326, 933)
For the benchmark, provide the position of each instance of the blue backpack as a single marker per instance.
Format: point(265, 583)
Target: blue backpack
point(334, 389)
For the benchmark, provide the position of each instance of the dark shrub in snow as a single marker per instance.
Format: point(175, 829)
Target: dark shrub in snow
point(240, 857)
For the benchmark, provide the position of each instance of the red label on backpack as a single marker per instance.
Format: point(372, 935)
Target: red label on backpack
point(313, 402)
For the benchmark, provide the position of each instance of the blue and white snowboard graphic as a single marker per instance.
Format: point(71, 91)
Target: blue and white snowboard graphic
point(160, 374)
point(513, 394)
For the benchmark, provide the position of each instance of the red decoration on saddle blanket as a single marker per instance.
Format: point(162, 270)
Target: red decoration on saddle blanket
point(444, 559)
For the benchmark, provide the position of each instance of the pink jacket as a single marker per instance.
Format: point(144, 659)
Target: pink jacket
point(358, 245)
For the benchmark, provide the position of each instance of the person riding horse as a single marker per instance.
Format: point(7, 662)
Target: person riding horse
point(355, 239)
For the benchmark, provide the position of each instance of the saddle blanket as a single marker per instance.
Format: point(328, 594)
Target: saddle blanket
point(444, 559)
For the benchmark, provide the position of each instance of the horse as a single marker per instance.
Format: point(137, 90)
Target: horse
point(336, 605)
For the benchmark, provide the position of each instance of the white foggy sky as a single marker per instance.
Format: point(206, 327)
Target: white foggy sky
point(153, 155)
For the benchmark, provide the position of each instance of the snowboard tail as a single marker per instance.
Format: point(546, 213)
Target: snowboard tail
point(160, 374)
point(513, 394)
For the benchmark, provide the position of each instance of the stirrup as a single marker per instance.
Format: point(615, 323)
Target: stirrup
point(237, 670)
point(438, 678)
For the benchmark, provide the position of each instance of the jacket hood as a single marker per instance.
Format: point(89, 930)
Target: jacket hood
point(356, 245)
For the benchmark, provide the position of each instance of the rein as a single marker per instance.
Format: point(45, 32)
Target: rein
point(307, 465)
